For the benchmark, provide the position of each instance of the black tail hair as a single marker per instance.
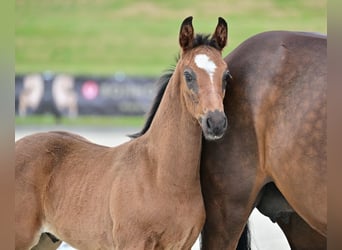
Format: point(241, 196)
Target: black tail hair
point(245, 240)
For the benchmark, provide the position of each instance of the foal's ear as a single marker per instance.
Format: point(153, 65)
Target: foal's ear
point(221, 33)
point(186, 34)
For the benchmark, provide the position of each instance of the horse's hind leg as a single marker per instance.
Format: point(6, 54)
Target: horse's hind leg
point(300, 235)
point(46, 243)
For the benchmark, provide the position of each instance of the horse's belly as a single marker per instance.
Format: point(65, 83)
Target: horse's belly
point(79, 216)
point(167, 237)
point(81, 235)
point(158, 224)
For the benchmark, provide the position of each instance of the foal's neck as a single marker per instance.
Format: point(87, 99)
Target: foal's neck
point(175, 139)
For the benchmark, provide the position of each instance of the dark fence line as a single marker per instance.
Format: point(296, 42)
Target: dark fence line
point(66, 95)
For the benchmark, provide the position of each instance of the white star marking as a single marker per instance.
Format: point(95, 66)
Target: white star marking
point(202, 61)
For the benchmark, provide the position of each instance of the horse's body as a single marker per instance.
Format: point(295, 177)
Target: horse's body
point(143, 194)
point(276, 109)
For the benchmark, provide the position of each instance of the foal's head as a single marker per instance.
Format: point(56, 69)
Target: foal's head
point(203, 76)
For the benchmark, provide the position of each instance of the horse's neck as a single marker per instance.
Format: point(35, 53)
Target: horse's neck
point(175, 140)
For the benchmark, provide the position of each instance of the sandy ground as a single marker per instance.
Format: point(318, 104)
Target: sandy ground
point(265, 234)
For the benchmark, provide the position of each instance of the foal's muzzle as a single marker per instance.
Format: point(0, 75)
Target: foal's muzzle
point(214, 125)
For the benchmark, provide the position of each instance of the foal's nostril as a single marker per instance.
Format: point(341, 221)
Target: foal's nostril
point(224, 122)
point(209, 123)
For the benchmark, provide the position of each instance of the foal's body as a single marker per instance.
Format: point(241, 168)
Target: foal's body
point(143, 194)
point(276, 108)
point(101, 195)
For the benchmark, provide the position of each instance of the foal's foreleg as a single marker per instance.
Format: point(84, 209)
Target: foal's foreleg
point(27, 221)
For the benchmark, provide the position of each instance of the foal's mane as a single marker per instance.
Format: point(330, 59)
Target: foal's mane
point(162, 82)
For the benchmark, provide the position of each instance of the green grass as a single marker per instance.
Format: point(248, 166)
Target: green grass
point(100, 121)
point(102, 37)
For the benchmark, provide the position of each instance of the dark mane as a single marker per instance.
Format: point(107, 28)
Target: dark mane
point(162, 84)
point(199, 40)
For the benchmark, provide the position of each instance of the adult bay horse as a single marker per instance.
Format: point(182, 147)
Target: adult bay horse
point(276, 111)
point(143, 194)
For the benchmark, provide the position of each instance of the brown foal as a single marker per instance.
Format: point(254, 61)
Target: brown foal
point(143, 194)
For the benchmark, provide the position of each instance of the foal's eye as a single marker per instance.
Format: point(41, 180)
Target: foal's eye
point(188, 76)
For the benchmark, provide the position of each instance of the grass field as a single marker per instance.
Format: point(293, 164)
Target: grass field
point(102, 37)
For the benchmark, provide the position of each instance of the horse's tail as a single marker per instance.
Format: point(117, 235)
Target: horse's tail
point(245, 240)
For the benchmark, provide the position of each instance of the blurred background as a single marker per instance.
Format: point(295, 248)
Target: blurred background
point(93, 62)
point(89, 66)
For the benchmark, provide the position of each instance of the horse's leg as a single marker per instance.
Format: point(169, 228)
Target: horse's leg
point(27, 220)
point(230, 184)
point(309, 198)
point(296, 155)
point(46, 243)
point(226, 217)
point(27, 209)
point(225, 227)
point(300, 235)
